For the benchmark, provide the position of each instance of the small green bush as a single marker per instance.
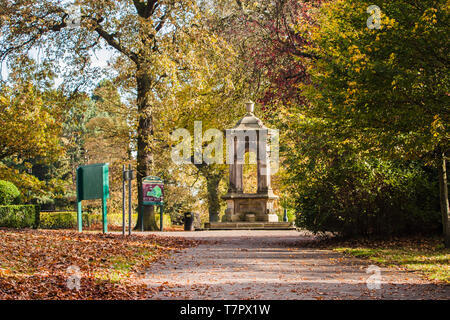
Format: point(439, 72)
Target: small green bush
point(8, 193)
point(19, 216)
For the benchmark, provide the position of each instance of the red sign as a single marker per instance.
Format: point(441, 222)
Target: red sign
point(152, 191)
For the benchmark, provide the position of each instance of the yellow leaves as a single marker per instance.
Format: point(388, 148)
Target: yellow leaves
point(438, 127)
point(392, 59)
point(394, 82)
point(352, 90)
point(388, 23)
point(4, 102)
point(353, 48)
point(27, 127)
point(429, 21)
point(357, 57)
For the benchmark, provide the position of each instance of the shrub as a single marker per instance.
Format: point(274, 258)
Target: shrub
point(19, 216)
point(370, 197)
point(8, 193)
point(68, 220)
point(60, 220)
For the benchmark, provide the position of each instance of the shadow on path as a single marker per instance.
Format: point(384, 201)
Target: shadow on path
point(262, 265)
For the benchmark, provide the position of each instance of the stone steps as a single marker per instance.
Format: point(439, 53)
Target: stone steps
point(249, 226)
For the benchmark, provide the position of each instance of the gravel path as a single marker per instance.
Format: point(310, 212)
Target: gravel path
point(266, 265)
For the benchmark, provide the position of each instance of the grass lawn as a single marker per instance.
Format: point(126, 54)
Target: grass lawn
point(37, 264)
point(426, 255)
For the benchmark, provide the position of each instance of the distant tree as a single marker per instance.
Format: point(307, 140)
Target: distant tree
point(30, 129)
point(271, 38)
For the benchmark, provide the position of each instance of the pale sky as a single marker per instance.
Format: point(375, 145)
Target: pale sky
point(99, 59)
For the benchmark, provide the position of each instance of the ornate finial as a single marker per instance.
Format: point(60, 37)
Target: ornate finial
point(250, 106)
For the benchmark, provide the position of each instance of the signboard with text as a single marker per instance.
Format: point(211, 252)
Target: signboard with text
point(152, 191)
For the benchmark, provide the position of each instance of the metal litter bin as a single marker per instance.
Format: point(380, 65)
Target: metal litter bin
point(189, 221)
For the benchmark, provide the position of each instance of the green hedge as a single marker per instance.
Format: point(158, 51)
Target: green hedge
point(19, 216)
point(60, 220)
point(68, 220)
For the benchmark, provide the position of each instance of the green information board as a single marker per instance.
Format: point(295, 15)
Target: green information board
point(92, 183)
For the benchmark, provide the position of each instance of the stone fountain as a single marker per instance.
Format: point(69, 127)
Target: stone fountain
point(249, 210)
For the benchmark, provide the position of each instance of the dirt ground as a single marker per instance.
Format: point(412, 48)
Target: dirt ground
point(271, 265)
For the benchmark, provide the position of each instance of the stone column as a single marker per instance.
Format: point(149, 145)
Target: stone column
point(263, 163)
point(236, 172)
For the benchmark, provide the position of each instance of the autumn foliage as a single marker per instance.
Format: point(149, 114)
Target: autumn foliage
point(36, 264)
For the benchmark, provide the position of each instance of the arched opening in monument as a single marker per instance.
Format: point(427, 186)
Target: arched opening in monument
point(250, 173)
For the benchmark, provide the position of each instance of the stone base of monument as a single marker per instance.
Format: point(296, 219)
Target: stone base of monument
point(250, 217)
point(243, 225)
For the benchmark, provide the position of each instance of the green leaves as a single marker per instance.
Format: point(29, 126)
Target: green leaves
point(391, 82)
point(28, 127)
point(377, 99)
point(8, 192)
point(19, 216)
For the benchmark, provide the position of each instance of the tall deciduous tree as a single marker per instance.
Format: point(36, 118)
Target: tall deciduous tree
point(151, 38)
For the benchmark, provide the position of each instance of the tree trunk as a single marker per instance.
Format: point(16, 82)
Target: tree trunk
point(212, 185)
point(146, 214)
point(443, 190)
